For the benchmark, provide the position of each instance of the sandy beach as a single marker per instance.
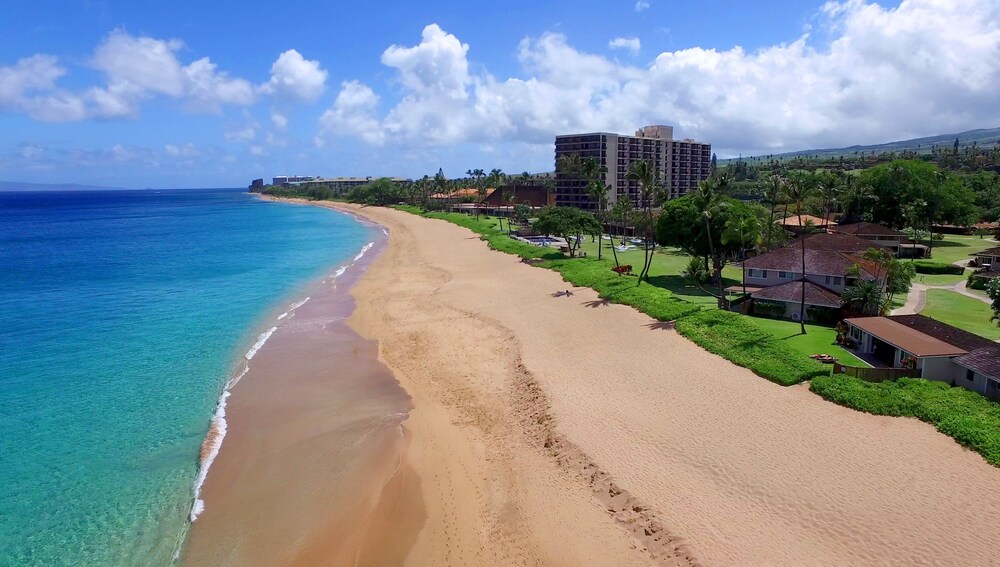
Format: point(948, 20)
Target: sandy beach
point(562, 430)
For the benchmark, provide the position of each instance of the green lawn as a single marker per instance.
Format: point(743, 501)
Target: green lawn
point(940, 279)
point(817, 340)
point(956, 247)
point(960, 311)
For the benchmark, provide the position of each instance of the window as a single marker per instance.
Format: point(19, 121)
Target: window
point(763, 274)
point(834, 280)
point(994, 384)
point(970, 375)
point(785, 275)
point(754, 273)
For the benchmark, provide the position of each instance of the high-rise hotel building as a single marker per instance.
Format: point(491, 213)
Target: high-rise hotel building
point(679, 164)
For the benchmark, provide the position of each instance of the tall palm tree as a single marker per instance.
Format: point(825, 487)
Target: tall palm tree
point(709, 199)
point(775, 189)
point(644, 172)
point(800, 188)
point(592, 170)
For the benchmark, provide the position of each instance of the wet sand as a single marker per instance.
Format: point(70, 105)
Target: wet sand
point(314, 436)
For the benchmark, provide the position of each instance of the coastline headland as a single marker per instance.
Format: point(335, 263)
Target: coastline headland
point(556, 429)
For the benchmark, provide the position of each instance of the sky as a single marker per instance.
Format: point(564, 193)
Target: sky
point(214, 94)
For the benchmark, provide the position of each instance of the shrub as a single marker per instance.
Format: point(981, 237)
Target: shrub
point(768, 308)
point(931, 267)
point(823, 315)
point(976, 282)
point(739, 339)
point(964, 415)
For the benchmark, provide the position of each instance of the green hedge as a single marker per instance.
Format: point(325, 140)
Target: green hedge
point(739, 339)
point(932, 267)
point(966, 416)
point(976, 282)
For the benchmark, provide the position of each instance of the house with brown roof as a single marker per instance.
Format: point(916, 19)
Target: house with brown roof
point(775, 280)
point(937, 351)
point(883, 236)
point(989, 259)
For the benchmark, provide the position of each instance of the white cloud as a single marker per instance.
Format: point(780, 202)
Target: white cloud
point(279, 120)
point(185, 151)
point(630, 43)
point(353, 112)
point(928, 66)
point(641, 5)
point(240, 134)
point(135, 68)
point(295, 78)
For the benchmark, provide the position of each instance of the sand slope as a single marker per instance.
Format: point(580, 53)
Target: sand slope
point(525, 402)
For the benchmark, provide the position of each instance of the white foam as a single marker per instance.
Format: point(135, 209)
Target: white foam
point(385, 231)
point(364, 249)
point(340, 271)
point(260, 342)
point(218, 426)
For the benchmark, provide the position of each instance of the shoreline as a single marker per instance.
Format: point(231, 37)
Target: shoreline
point(217, 530)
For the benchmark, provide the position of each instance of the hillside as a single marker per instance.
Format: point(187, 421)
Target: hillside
point(983, 138)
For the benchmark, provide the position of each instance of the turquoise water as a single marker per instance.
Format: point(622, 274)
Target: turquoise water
point(122, 315)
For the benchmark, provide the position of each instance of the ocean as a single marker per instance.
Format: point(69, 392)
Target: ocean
point(123, 315)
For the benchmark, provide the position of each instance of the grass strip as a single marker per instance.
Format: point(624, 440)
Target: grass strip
point(961, 414)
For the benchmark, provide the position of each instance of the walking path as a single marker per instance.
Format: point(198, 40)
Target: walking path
point(916, 299)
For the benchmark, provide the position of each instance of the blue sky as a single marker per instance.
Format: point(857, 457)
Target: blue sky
point(187, 94)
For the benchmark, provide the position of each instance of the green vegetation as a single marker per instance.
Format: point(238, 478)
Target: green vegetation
point(960, 311)
point(818, 340)
point(966, 416)
point(932, 267)
point(740, 339)
point(957, 247)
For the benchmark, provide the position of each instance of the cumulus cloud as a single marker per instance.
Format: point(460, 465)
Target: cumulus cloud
point(630, 43)
point(641, 5)
point(135, 69)
point(295, 78)
point(928, 66)
point(353, 112)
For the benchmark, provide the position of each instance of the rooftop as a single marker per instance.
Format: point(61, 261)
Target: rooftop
point(906, 338)
point(984, 360)
point(923, 336)
point(839, 242)
point(791, 292)
point(866, 228)
point(818, 262)
point(793, 220)
point(995, 251)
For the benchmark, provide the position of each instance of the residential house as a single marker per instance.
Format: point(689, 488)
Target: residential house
point(775, 280)
point(883, 236)
point(937, 351)
point(989, 259)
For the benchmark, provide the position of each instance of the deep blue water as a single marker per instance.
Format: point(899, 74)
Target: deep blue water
point(122, 315)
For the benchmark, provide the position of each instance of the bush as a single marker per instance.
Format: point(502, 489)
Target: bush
point(768, 308)
point(964, 415)
point(932, 267)
point(823, 315)
point(975, 282)
point(739, 339)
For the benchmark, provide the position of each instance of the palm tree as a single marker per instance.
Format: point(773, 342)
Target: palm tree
point(800, 188)
point(775, 189)
point(742, 229)
point(644, 173)
point(709, 199)
point(496, 178)
point(592, 170)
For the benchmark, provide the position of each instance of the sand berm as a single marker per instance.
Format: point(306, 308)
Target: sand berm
point(563, 430)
